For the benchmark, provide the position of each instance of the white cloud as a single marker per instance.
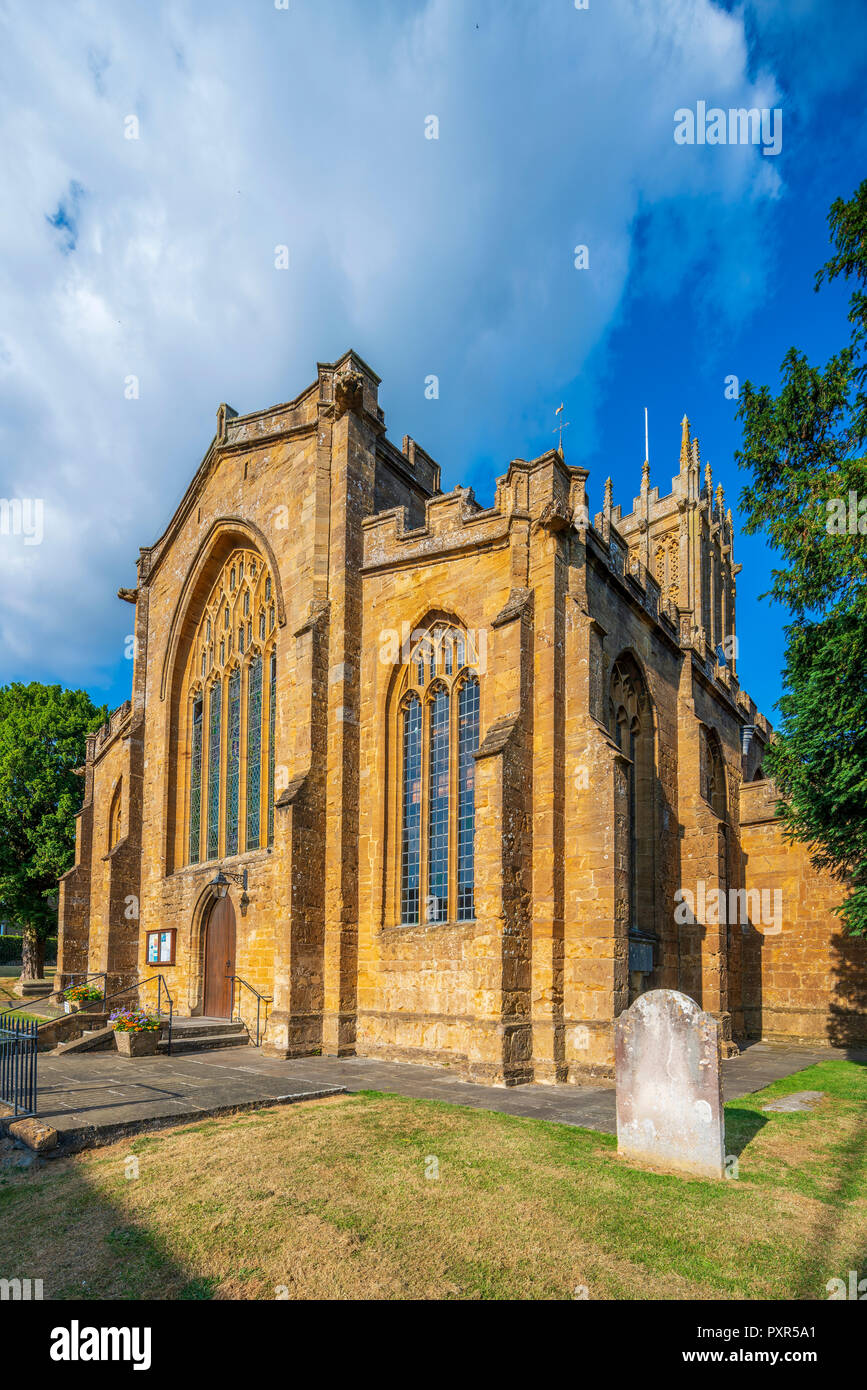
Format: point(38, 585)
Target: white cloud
point(260, 127)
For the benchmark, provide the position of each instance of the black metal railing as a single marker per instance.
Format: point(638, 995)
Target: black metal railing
point(60, 993)
point(261, 999)
point(18, 1045)
point(162, 988)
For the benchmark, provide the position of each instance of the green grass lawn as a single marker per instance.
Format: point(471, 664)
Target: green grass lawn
point(336, 1199)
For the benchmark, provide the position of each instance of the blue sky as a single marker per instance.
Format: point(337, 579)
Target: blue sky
point(154, 257)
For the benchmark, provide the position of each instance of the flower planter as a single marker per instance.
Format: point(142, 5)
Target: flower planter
point(142, 1044)
point(77, 1006)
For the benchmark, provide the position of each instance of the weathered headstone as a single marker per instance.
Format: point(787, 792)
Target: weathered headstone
point(669, 1094)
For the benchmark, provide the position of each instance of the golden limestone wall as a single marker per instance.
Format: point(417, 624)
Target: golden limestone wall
point(601, 707)
point(807, 980)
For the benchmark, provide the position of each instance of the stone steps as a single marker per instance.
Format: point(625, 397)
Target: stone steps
point(194, 1035)
point(90, 1041)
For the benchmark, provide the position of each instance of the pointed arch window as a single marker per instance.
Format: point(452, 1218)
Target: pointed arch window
point(712, 777)
point(225, 813)
point(631, 727)
point(114, 817)
point(437, 731)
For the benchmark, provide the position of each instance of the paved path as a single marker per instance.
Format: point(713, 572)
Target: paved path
point(592, 1107)
point(100, 1097)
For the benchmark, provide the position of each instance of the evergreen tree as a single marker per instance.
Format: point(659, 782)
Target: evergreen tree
point(805, 448)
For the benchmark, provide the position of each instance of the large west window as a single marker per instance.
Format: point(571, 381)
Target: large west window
point(231, 714)
point(437, 735)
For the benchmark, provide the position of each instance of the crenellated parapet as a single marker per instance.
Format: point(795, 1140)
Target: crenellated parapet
point(543, 492)
point(107, 732)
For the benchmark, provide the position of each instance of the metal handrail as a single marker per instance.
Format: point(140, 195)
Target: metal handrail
point(260, 1000)
point(161, 985)
point(94, 975)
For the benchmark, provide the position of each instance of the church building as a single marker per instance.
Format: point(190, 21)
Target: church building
point(420, 779)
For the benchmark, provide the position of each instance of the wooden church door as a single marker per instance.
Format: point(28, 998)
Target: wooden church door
point(219, 959)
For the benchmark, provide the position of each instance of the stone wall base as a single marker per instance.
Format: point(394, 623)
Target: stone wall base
point(816, 1027)
point(292, 1035)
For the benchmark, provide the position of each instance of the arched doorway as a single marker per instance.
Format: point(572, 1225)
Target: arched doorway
point(219, 959)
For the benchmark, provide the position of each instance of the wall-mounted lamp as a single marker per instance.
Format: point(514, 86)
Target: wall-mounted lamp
point(219, 886)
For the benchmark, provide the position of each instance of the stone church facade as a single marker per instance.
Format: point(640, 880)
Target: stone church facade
point(473, 774)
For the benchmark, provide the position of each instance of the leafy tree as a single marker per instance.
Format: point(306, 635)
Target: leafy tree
point(805, 447)
point(42, 741)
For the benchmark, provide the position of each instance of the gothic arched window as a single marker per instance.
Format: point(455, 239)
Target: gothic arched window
point(437, 737)
point(631, 727)
point(712, 776)
point(114, 817)
point(230, 730)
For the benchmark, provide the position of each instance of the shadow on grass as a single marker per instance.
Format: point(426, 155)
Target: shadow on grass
point(99, 1250)
point(742, 1126)
point(850, 1164)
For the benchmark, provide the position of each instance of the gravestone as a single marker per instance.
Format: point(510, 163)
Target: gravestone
point(669, 1094)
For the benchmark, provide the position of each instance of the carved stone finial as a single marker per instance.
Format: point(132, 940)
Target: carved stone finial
point(645, 476)
point(708, 482)
point(684, 444)
point(608, 495)
point(719, 500)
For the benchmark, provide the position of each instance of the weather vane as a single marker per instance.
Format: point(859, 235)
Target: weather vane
point(561, 426)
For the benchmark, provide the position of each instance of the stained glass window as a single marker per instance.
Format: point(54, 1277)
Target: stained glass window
point(438, 810)
point(272, 729)
point(215, 701)
point(410, 854)
point(254, 750)
point(468, 742)
point(233, 762)
point(196, 784)
point(228, 721)
point(438, 736)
